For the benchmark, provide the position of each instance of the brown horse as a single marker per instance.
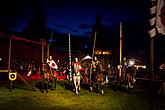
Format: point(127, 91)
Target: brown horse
point(48, 78)
point(99, 79)
point(130, 77)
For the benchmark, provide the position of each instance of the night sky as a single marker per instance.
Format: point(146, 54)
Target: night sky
point(75, 16)
point(78, 17)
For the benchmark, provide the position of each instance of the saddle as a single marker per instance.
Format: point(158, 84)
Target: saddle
point(46, 76)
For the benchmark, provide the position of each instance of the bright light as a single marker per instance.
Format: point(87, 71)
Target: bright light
point(0, 59)
point(104, 53)
point(131, 62)
point(98, 52)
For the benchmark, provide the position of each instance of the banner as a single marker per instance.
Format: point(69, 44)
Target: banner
point(157, 20)
point(160, 17)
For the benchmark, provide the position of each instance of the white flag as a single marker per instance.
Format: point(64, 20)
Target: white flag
point(152, 21)
point(160, 17)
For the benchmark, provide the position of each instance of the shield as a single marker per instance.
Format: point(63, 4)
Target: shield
point(52, 64)
point(12, 76)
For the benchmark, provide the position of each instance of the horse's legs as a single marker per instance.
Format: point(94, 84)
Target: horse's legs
point(92, 82)
point(131, 81)
point(42, 85)
point(106, 79)
point(86, 80)
point(52, 88)
point(53, 83)
point(102, 91)
point(46, 84)
point(75, 84)
point(91, 85)
point(97, 87)
point(78, 81)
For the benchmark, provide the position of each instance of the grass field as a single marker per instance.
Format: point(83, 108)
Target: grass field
point(65, 99)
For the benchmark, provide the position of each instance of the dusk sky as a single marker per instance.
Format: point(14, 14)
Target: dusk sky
point(76, 16)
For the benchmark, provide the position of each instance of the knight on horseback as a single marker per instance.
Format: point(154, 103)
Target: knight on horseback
point(128, 72)
point(97, 75)
point(48, 75)
point(53, 74)
point(76, 75)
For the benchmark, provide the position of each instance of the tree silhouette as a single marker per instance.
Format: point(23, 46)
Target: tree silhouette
point(37, 27)
point(99, 38)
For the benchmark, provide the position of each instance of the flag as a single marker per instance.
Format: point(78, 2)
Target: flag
point(157, 20)
point(152, 21)
point(160, 17)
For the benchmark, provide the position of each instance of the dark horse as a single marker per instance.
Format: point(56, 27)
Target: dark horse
point(129, 77)
point(48, 78)
point(98, 79)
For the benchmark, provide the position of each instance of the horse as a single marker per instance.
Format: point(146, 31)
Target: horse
point(53, 79)
point(76, 76)
point(48, 78)
point(45, 77)
point(129, 77)
point(85, 75)
point(76, 82)
point(98, 79)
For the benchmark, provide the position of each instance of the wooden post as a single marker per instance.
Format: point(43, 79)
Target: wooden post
point(92, 58)
point(48, 52)
point(152, 73)
point(9, 59)
point(43, 42)
point(120, 72)
point(49, 45)
point(43, 52)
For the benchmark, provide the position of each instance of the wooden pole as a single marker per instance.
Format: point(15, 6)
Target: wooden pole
point(9, 59)
point(152, 73)
point(120, 72)
point(26, 82)
point(48, 52)
point(49, 45)
point(42, 52)
point(70, 61)
point(92, 58)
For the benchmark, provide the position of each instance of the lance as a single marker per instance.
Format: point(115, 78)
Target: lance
point(49, 45)
point(92, 57)
point(70, 62)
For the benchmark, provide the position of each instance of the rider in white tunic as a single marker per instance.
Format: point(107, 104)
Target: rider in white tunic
point(76, 74)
